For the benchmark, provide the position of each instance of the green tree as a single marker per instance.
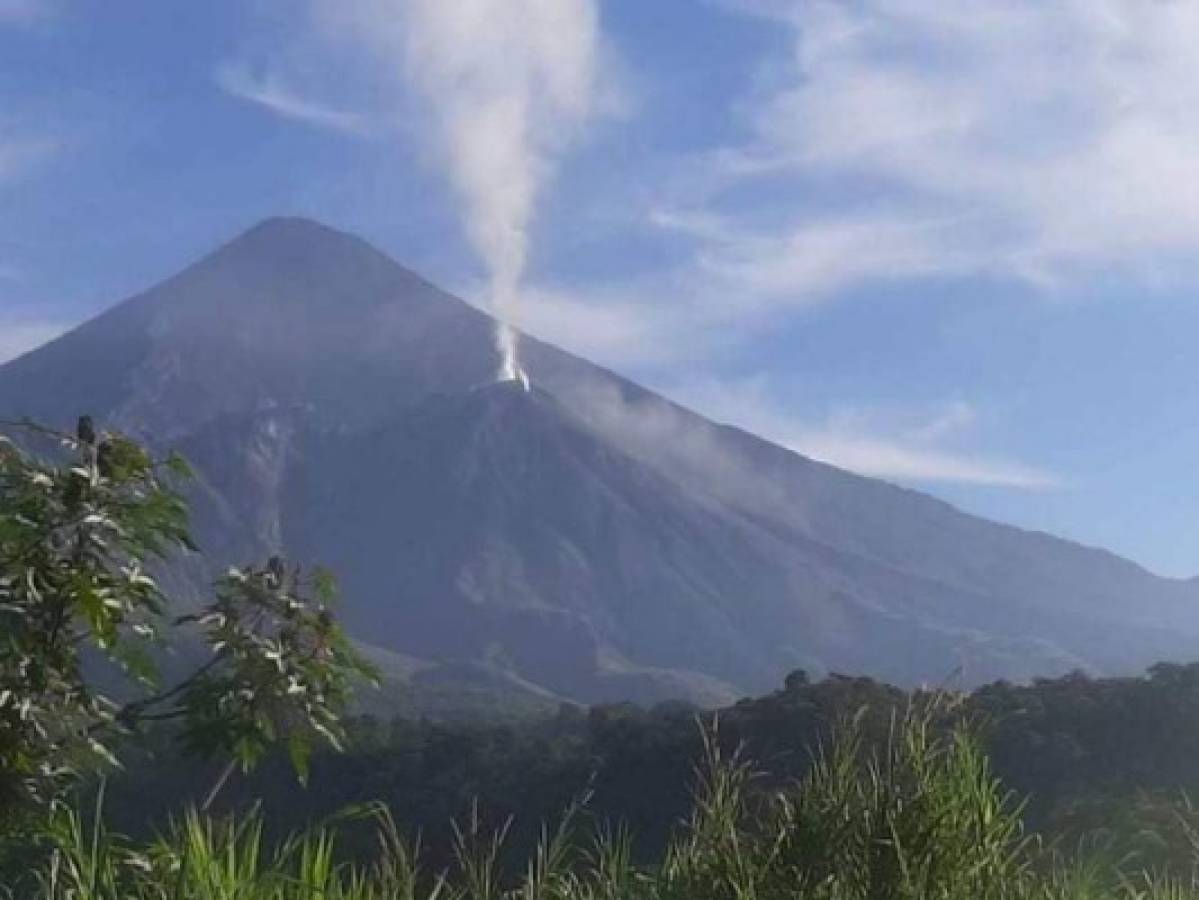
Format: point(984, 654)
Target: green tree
point(87, 521)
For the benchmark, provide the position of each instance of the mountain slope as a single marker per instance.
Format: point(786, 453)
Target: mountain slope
point(587, 539)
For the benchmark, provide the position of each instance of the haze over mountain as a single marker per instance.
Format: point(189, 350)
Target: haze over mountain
point(587, 539)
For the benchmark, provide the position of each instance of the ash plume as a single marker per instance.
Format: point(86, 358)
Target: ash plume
point(508, 82)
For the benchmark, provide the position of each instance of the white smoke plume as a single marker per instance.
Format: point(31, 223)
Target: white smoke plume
point(508, 82)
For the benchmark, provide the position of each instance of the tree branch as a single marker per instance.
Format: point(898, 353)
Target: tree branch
point(135, 710)
point(218, 784)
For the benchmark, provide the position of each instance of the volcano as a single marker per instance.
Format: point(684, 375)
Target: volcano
point(582, 539)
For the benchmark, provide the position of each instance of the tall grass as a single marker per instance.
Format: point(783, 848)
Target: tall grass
point(920, 818)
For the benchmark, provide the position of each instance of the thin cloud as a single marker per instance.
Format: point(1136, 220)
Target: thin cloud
point(611, 325)
point(1052, 139)
point(813, 261)
point(927, 452)
point(601, 327)
point(883, 457)
point(956, 418)
point(272, 94)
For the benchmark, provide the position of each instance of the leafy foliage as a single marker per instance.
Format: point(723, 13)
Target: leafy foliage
point(285, 669)
point(921, 818)
point(86, 522)
point(1108, 761)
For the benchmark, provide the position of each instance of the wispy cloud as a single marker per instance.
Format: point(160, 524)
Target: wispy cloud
point(270, 92)
point(615, 324)
point(924, 449)
point(602, 325)
point(1050, 143)
point(885, 457)
point(1038, 139)
point(812, 261)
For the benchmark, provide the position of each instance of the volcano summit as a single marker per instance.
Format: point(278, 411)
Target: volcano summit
point(581, 538)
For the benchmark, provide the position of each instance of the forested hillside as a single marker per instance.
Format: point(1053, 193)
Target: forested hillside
point(1097, 759)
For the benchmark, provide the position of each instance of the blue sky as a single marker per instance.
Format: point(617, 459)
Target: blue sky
point(952, 245)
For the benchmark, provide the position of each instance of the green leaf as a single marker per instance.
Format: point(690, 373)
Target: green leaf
point(299, 751)
point(179, 467)
point(137, 662)
point(324, 585)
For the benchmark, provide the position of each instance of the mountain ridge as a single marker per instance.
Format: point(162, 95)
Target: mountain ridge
point(588, 536)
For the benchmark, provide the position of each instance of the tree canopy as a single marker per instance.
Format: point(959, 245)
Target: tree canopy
point(88, 521)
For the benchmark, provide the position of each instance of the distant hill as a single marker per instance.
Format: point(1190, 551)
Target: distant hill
point(587, 539)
